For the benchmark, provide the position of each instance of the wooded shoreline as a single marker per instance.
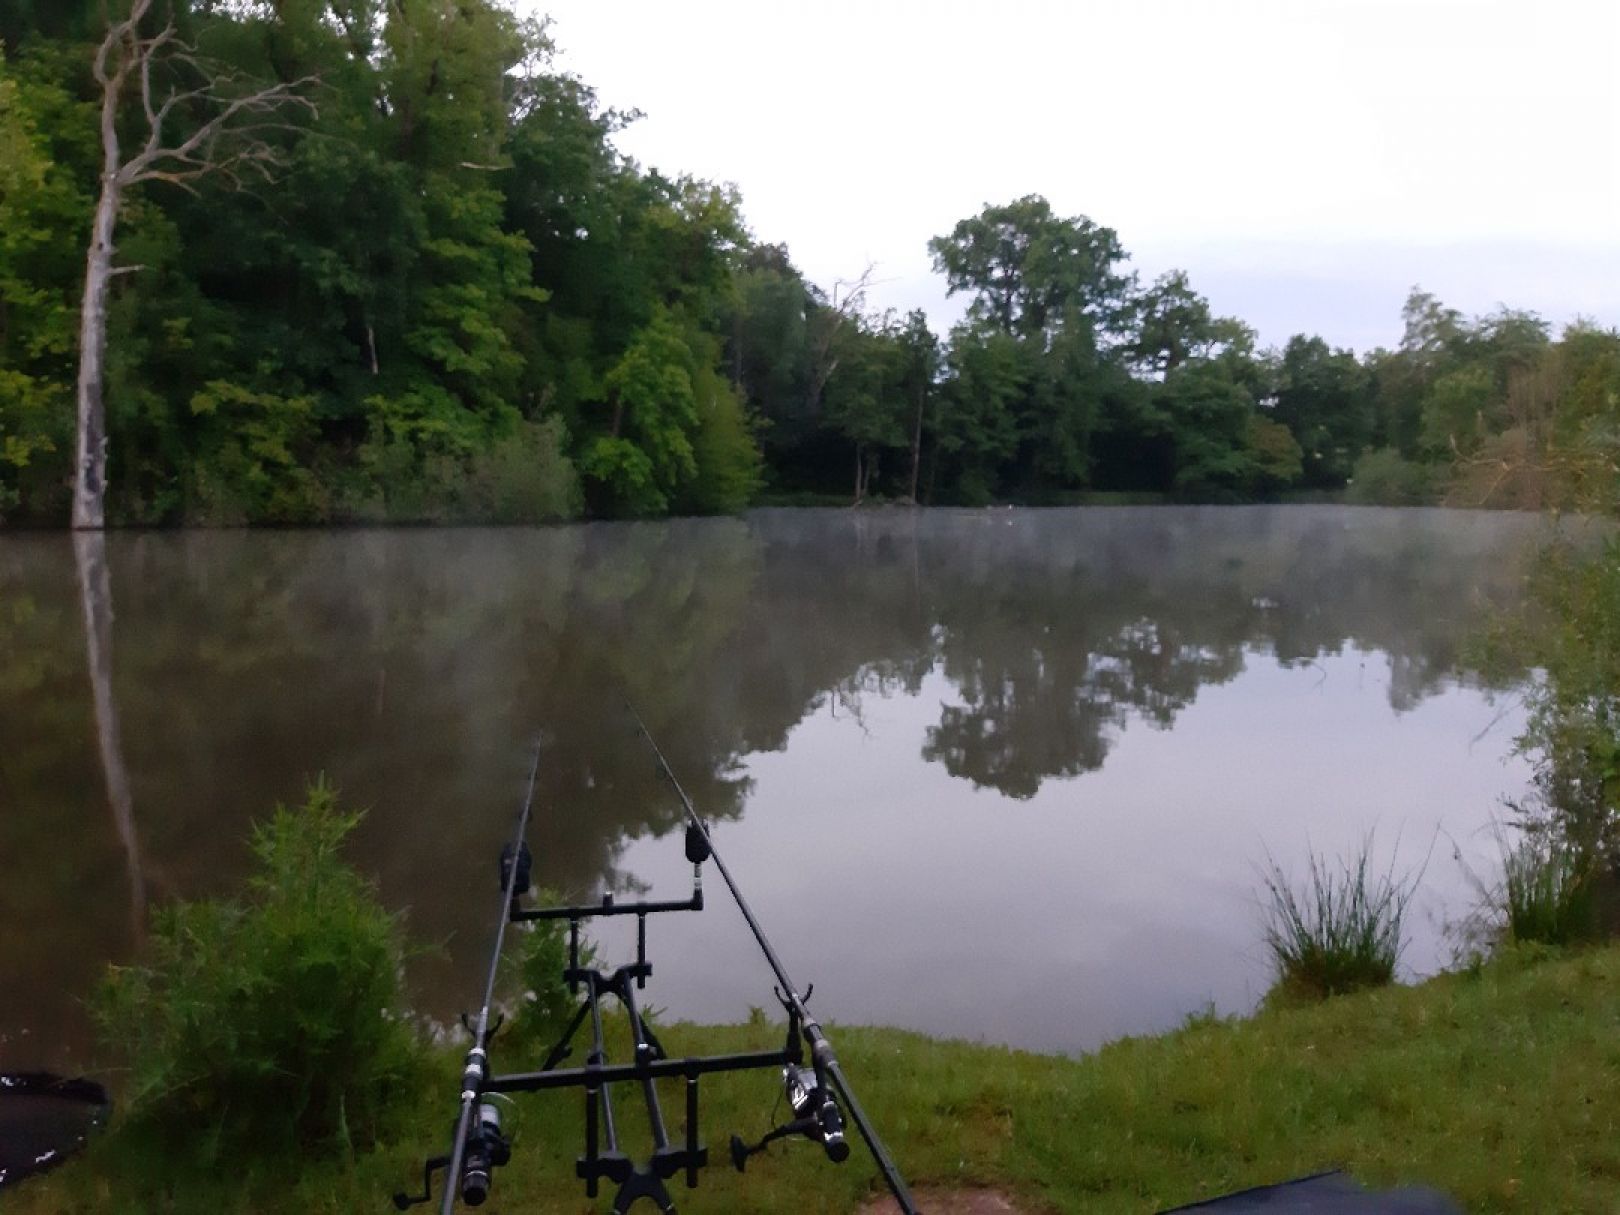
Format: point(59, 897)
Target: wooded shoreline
point(393, 268)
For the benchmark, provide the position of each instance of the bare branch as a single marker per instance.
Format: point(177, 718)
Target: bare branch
point(262, 102)
point(123, 34)
point(154, 138)
point(198, 154)
point(144, 54)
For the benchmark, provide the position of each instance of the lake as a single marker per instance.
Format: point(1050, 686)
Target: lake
point(1005, 775)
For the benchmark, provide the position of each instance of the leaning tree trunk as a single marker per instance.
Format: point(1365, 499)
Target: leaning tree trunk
point(90, 471)
point(95, 595)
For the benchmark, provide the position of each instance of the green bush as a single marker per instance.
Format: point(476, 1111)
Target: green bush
point(523, 477)
point(1573, 731)
point(272, 1021)
point(730, 469)
point(1342, 932)
point(1382, 477)
point(520, 475)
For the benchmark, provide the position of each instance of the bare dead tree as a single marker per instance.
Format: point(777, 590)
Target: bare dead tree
point(230, 143)
point(847, 300)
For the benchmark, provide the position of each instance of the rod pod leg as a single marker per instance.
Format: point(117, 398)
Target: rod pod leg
point(641, 1185)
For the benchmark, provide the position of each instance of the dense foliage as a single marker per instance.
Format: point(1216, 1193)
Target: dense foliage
point(455, 299)
point(274, 1021)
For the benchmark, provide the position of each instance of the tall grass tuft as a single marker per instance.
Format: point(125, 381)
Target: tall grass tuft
point(1342, 931)
point(1547, 894)
point(273, 1021)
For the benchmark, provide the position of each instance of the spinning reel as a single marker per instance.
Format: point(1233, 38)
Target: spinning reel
point(484, 1150)
point(816, 1116)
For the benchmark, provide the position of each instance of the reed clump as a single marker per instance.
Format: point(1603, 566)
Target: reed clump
point(1547, 895)
point(1340, 930)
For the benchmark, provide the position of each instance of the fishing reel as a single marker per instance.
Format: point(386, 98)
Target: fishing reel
point(487, 1149)
point(816, 1116)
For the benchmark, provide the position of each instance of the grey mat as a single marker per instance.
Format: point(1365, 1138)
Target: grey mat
point(44, 1118)
point(1327, 1194)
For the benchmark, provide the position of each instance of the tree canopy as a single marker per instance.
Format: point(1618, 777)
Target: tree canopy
point(457, 299)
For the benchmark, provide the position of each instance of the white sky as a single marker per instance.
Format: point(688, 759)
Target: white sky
point(1306, 161)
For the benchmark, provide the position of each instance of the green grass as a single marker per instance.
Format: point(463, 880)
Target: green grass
point(1500, 1085)
point(1341, 932)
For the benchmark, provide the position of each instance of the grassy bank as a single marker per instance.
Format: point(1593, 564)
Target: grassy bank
point(1500, 1085)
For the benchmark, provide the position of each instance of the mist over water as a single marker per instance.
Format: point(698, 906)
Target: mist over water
point(995, 774)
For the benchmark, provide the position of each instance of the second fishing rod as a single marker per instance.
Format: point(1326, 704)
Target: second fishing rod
point(813, 1081)
point(825, 1062)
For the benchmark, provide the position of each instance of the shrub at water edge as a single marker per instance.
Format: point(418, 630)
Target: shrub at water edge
point(274, 1020)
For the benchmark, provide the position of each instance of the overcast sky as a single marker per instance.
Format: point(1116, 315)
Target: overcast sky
point(1306, 161)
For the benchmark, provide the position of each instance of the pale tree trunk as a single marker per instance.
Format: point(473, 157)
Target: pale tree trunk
point(229, 143)
point(823, 362)
point(90, 479)
point(860, 481)
point(95, 595)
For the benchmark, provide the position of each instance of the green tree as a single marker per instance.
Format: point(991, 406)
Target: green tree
point(41, 211)
point(1223, 449)
point(730, 467)
point(769, 347)
point(1459, 411)
point(1172, 324)
point(1325, 398)
point(644, 454)
point(919, 367)
point(1030, 270)
point(978, 429)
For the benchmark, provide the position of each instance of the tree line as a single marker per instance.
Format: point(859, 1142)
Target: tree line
point(299, 261)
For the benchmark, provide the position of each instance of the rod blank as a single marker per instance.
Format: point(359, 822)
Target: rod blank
point(815, 1037)
point(476, 1070)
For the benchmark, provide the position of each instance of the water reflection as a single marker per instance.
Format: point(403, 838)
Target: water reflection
point(999, 652)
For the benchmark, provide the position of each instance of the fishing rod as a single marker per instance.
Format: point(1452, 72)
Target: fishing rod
point(827, 1067)
point(813, 1091)
point(477, 1149)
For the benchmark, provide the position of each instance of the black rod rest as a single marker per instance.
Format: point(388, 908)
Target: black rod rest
point(478, 1144)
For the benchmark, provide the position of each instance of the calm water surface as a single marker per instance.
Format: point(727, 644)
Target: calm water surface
point(1002, 775)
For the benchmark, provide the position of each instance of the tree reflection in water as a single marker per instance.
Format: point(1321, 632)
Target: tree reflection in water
point(412, 666)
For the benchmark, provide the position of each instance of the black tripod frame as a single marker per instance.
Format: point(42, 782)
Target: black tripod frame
point(479, 1147)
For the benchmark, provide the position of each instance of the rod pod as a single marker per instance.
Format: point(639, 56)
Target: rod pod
point(822, 1056)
